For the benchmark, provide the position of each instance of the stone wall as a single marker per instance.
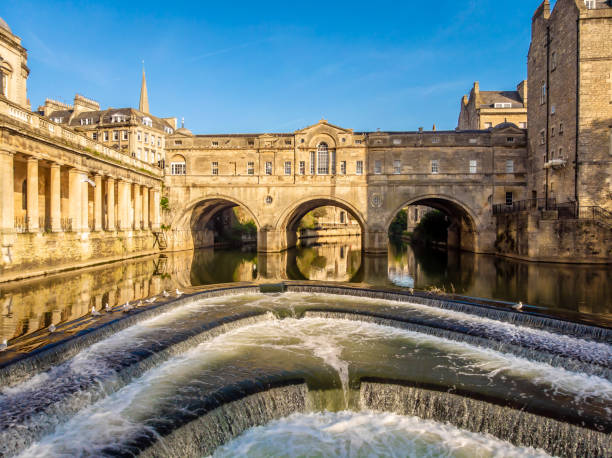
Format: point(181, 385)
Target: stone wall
point(42, 253)
point(543, 237)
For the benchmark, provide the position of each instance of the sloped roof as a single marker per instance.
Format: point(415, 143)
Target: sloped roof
point(488, 99)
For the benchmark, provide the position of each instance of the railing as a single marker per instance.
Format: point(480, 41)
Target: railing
point(21, 224)
point(66, 224)
point(596, 213)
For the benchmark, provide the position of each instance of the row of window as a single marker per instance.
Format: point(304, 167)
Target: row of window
point(553, 132)
point(178, 168)
point(115, 135)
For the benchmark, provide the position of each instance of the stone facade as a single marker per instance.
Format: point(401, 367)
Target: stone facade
point(570, 113)
point(14, 70)
point(278, 178)
point(66, 200)
point(486, 109)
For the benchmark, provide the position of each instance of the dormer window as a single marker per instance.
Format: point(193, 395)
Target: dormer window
point(590, 4)
point(58, 120)
point(168, 130)
point(118, 118)
point(147, 121)
point(503, 105)
point(86, 121)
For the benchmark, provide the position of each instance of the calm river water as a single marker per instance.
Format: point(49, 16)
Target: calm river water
point(572, 291)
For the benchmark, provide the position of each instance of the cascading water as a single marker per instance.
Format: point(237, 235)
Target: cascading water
point(190, 380)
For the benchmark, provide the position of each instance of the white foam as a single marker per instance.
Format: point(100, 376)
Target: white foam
point(364, 434)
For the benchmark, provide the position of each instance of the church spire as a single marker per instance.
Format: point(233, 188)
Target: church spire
point(144, 98)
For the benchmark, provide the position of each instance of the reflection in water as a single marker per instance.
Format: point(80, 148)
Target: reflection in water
point(30, 305)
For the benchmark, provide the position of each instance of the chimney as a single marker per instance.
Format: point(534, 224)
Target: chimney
point(82, 104)
point(522, 90)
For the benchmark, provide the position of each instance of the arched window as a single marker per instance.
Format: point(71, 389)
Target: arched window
point(177, 165)
point(322, 159)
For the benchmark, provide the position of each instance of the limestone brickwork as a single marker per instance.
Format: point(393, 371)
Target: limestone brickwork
point(486, 109)
point(278, 178)
point(66, 200)
point(570, 109)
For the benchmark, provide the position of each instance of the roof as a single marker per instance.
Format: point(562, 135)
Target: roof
point(4, 25)
point(105, 117)
point(490, 98)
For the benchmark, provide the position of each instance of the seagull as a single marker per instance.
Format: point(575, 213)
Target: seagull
point(52, 328)
point(107, 307)
point(166, 293)
point(518, 306)
point(127, 307)
point(178, 293)
point(94, 312)
point(3, 345)
point(151, 300)
point(411, 290)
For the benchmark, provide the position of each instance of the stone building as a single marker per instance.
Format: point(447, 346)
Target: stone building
point(14, 70)
point(486, 109)
point(66, 200)
point(570, 109)
point(135, 133)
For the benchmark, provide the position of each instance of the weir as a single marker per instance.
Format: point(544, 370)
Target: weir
point(187, 376)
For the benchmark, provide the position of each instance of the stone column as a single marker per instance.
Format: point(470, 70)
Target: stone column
point(98, 203)
point(137, 206)
point(155, 210)
point(55, 198)
point(84, 203)
point(145, 208)
point(7, 200)
point(110, 204)
point(32, 201)
point(74, 198)
point(123, 207)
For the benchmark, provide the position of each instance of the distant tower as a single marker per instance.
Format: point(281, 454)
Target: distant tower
point(144, 98)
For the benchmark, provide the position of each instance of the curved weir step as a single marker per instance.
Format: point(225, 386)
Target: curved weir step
point(525, 319)
point(544, 354)
point(142, 354)
point(229, 412)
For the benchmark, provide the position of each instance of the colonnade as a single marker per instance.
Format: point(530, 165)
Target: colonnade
point(118, 202)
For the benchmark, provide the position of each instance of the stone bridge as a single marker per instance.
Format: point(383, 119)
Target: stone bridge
point(278, 178)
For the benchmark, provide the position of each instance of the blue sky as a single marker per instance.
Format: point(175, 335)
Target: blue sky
point(231, 67)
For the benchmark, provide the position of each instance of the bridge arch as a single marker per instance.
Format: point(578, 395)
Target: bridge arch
point(289, 219)
point(463, 231)
point(192, 222)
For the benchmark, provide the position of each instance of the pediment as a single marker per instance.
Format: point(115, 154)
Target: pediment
point(507, 128)
point(323, 125)
point(323, 132)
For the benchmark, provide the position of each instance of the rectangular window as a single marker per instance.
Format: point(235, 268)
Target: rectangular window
point(287, 167)
point(287, 142)
point(94, 136)
point(435, 166)
point(503, 105)
point(105, 136)
point(523, 125)
point(251, 142)
point(543, 94)
point(215, 143)
point(333, 161)
point(215, 168)
point(553, 60)
point(508, 198)
point(397, 167)
point(250, 168)
point(397, 141)
point(473, 166)
point(377, 167)
point(268, 168)
point(146, 138)
point(138, 152)
point(509, 166)
point(560, 128)
point(435, 140)
point(510, 139)
point(139, 135)
point(115, 135)
point(124, 134)
point(153, 140)
point(357, 142)
point(322, 161)
point(542, 137)
point(302, 167)
point(159, 141)
point(177, 168)
point(312, 162)
point(342, 167)
point(552, 131)
point(590, 4)
point(359, 168)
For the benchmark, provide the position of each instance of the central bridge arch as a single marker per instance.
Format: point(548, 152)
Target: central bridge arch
point(288, 221)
